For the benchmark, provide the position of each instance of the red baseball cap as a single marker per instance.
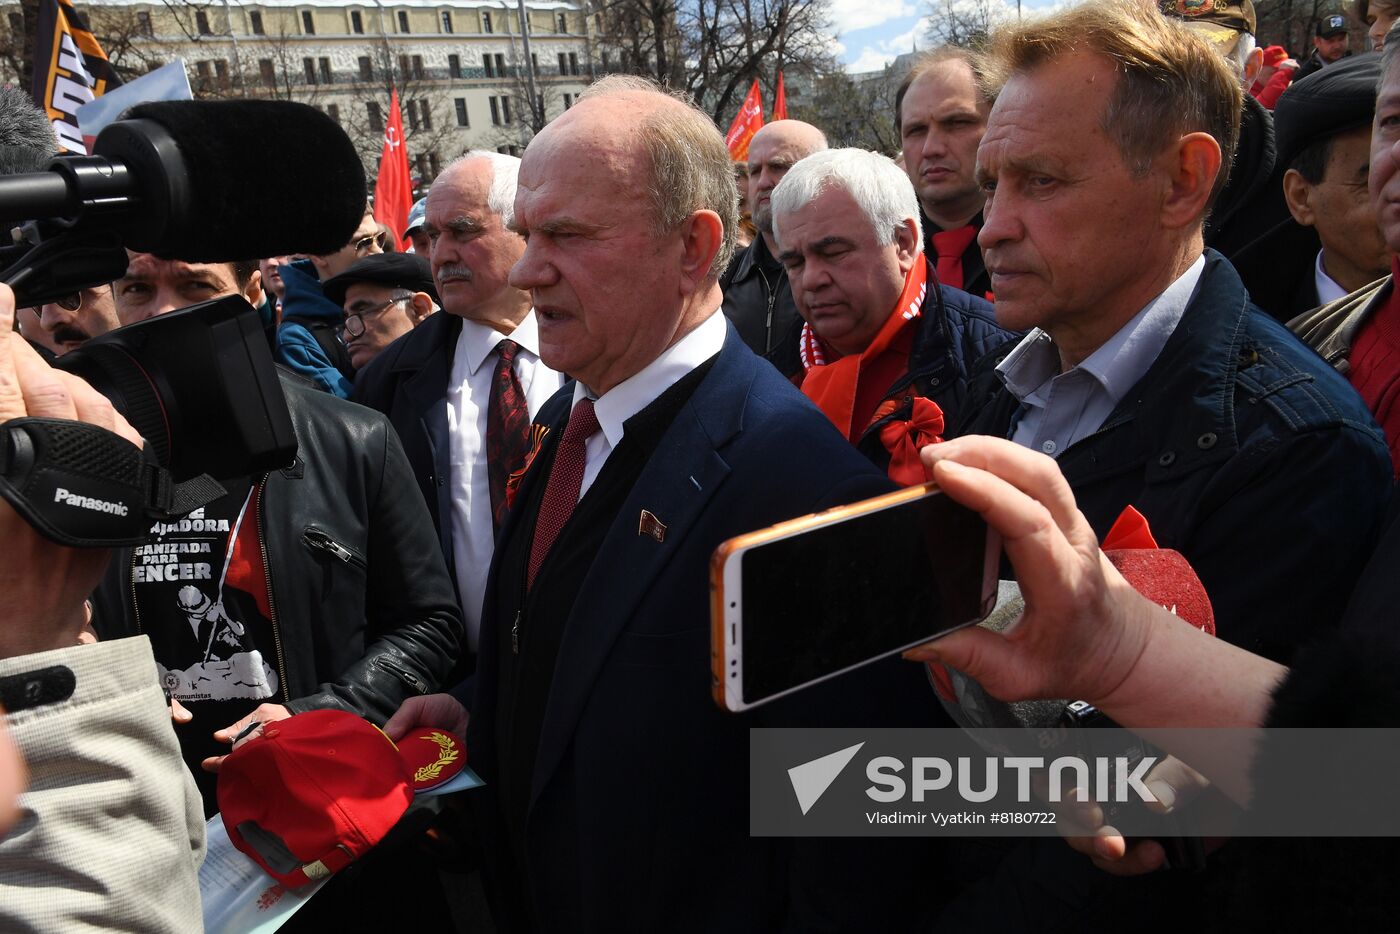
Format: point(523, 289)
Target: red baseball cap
point(316, 791)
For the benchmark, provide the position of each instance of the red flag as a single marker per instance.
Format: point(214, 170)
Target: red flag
point(746, 123)
point(393, 190)
point(780, 101)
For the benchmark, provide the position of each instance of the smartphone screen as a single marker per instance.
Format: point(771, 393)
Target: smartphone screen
point(833, 597)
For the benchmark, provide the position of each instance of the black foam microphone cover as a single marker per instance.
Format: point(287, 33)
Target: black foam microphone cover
point(254, 179)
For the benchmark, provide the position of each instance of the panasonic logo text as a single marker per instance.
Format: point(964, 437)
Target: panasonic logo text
point(61, 495)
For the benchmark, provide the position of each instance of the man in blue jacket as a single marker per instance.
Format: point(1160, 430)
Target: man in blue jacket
point(308, 339)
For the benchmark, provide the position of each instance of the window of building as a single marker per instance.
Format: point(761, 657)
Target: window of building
point(425, 113)
point(412, 117)
point(221, 71)
point(267, 72)
point(454, 66)
point(309, 65)
point(202, 70)
point(308, 24)
point(403, 66)
point(376, 117)
point(333, 111)
point(17, 23)
point(434, 163)
point(573, 63)
point(505, 110)
point(598, 21)
point(490, 68)
point(403, 21)
point(201, 23)
point(605, 61)
point(366, 68)
point(143, 23)
point(568, 101)
point(326, 76)
point(461, 104)
point(418, 67)
point(486, 22)
point(500, 65)
point(563, 64)
point(563, 22)
point(539, 106)
point(357, 22)
point(535, 64)
point(446, 21)
point(421, 161)
point(495, 111)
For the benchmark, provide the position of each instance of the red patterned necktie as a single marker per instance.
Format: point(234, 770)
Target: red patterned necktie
point(950, 246)
point(507, 428)
point(565, 479)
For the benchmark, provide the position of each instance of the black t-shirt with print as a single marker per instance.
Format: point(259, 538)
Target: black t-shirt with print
point(201, 595)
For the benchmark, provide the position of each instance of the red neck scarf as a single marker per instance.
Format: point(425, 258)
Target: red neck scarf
point(831, 381)
point(950, 245)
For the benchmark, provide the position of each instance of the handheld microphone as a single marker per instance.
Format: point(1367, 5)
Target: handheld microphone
point(187, 180)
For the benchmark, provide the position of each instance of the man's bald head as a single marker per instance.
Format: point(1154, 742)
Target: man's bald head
point(772, 151)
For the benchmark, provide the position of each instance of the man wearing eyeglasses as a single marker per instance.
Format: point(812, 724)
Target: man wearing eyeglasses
point(384, 296)
point(70, 320)
point(308, 339)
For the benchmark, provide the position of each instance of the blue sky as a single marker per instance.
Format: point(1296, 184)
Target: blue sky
point(871, 33)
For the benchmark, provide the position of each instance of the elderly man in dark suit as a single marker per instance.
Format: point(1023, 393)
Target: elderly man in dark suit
point(461, 388)
point(617, 793)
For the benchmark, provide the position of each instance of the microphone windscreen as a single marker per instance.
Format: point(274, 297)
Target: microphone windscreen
point(1166, 578)
point(265, 178)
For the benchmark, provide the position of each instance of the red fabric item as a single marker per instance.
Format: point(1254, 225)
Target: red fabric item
point(950, 246)
point(393, 189)
point(1375, 368)
point(325, 783)
point(780, 101)
point(1129, 531)
point(904, 439)
point(565, 479)
point(1269, 94)
point(245, 563)
point(747, 122)
point(836, 385)
point(1274, 56)
point(1167, 579)
point(507, 429)
point(433, 757)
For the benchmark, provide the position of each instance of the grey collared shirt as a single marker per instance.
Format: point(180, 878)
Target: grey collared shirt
point(1058, 409)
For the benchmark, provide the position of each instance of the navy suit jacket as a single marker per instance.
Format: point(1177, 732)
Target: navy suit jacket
point(408, 383)
point(638, 815)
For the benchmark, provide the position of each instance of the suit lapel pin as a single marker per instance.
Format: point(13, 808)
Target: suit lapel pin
point(651, 526)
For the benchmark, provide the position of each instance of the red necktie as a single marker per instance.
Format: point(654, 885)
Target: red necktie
point(950, 246)
point(565, 479)
point(507, 428)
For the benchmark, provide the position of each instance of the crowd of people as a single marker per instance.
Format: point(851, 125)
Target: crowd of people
point(1126, 260)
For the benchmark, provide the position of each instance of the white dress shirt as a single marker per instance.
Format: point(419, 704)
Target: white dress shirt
point(468, 393)
point(1327, 288)
point(640, 390)
point(1058, 409)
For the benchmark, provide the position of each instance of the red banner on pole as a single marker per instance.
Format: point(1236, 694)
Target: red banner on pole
point(393, 189)
point(780, 101)
point(746, 123)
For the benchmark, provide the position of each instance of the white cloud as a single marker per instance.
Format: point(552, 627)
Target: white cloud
point(870, 59)
point(853, 15)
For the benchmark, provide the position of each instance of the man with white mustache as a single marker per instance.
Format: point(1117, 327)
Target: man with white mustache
point(463, 387)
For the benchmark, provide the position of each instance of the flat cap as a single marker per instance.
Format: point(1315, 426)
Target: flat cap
point(395, 270)
point(1338, 98)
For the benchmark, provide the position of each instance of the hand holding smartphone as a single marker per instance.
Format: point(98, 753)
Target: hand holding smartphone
point(811, 598)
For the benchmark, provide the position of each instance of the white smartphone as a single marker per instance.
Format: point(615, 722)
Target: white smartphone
point(811, 598)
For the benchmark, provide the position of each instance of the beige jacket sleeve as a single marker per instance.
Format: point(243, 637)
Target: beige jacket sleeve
point(110, 833)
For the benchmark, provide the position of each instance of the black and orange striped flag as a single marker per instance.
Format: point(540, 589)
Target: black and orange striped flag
point(70, 69)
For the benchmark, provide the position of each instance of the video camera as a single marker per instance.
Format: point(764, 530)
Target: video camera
point(198, 384)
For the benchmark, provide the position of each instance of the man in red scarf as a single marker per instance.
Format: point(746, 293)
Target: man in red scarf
point(886, 349)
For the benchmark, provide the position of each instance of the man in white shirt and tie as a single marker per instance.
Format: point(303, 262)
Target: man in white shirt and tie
point(462, 388)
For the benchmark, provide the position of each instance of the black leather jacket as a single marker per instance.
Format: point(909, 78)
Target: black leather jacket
point(362, 605)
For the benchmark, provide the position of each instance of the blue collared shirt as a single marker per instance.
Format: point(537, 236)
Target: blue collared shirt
point(1058, 409)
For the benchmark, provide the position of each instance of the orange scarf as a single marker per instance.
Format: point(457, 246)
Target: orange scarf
point(832, 385)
